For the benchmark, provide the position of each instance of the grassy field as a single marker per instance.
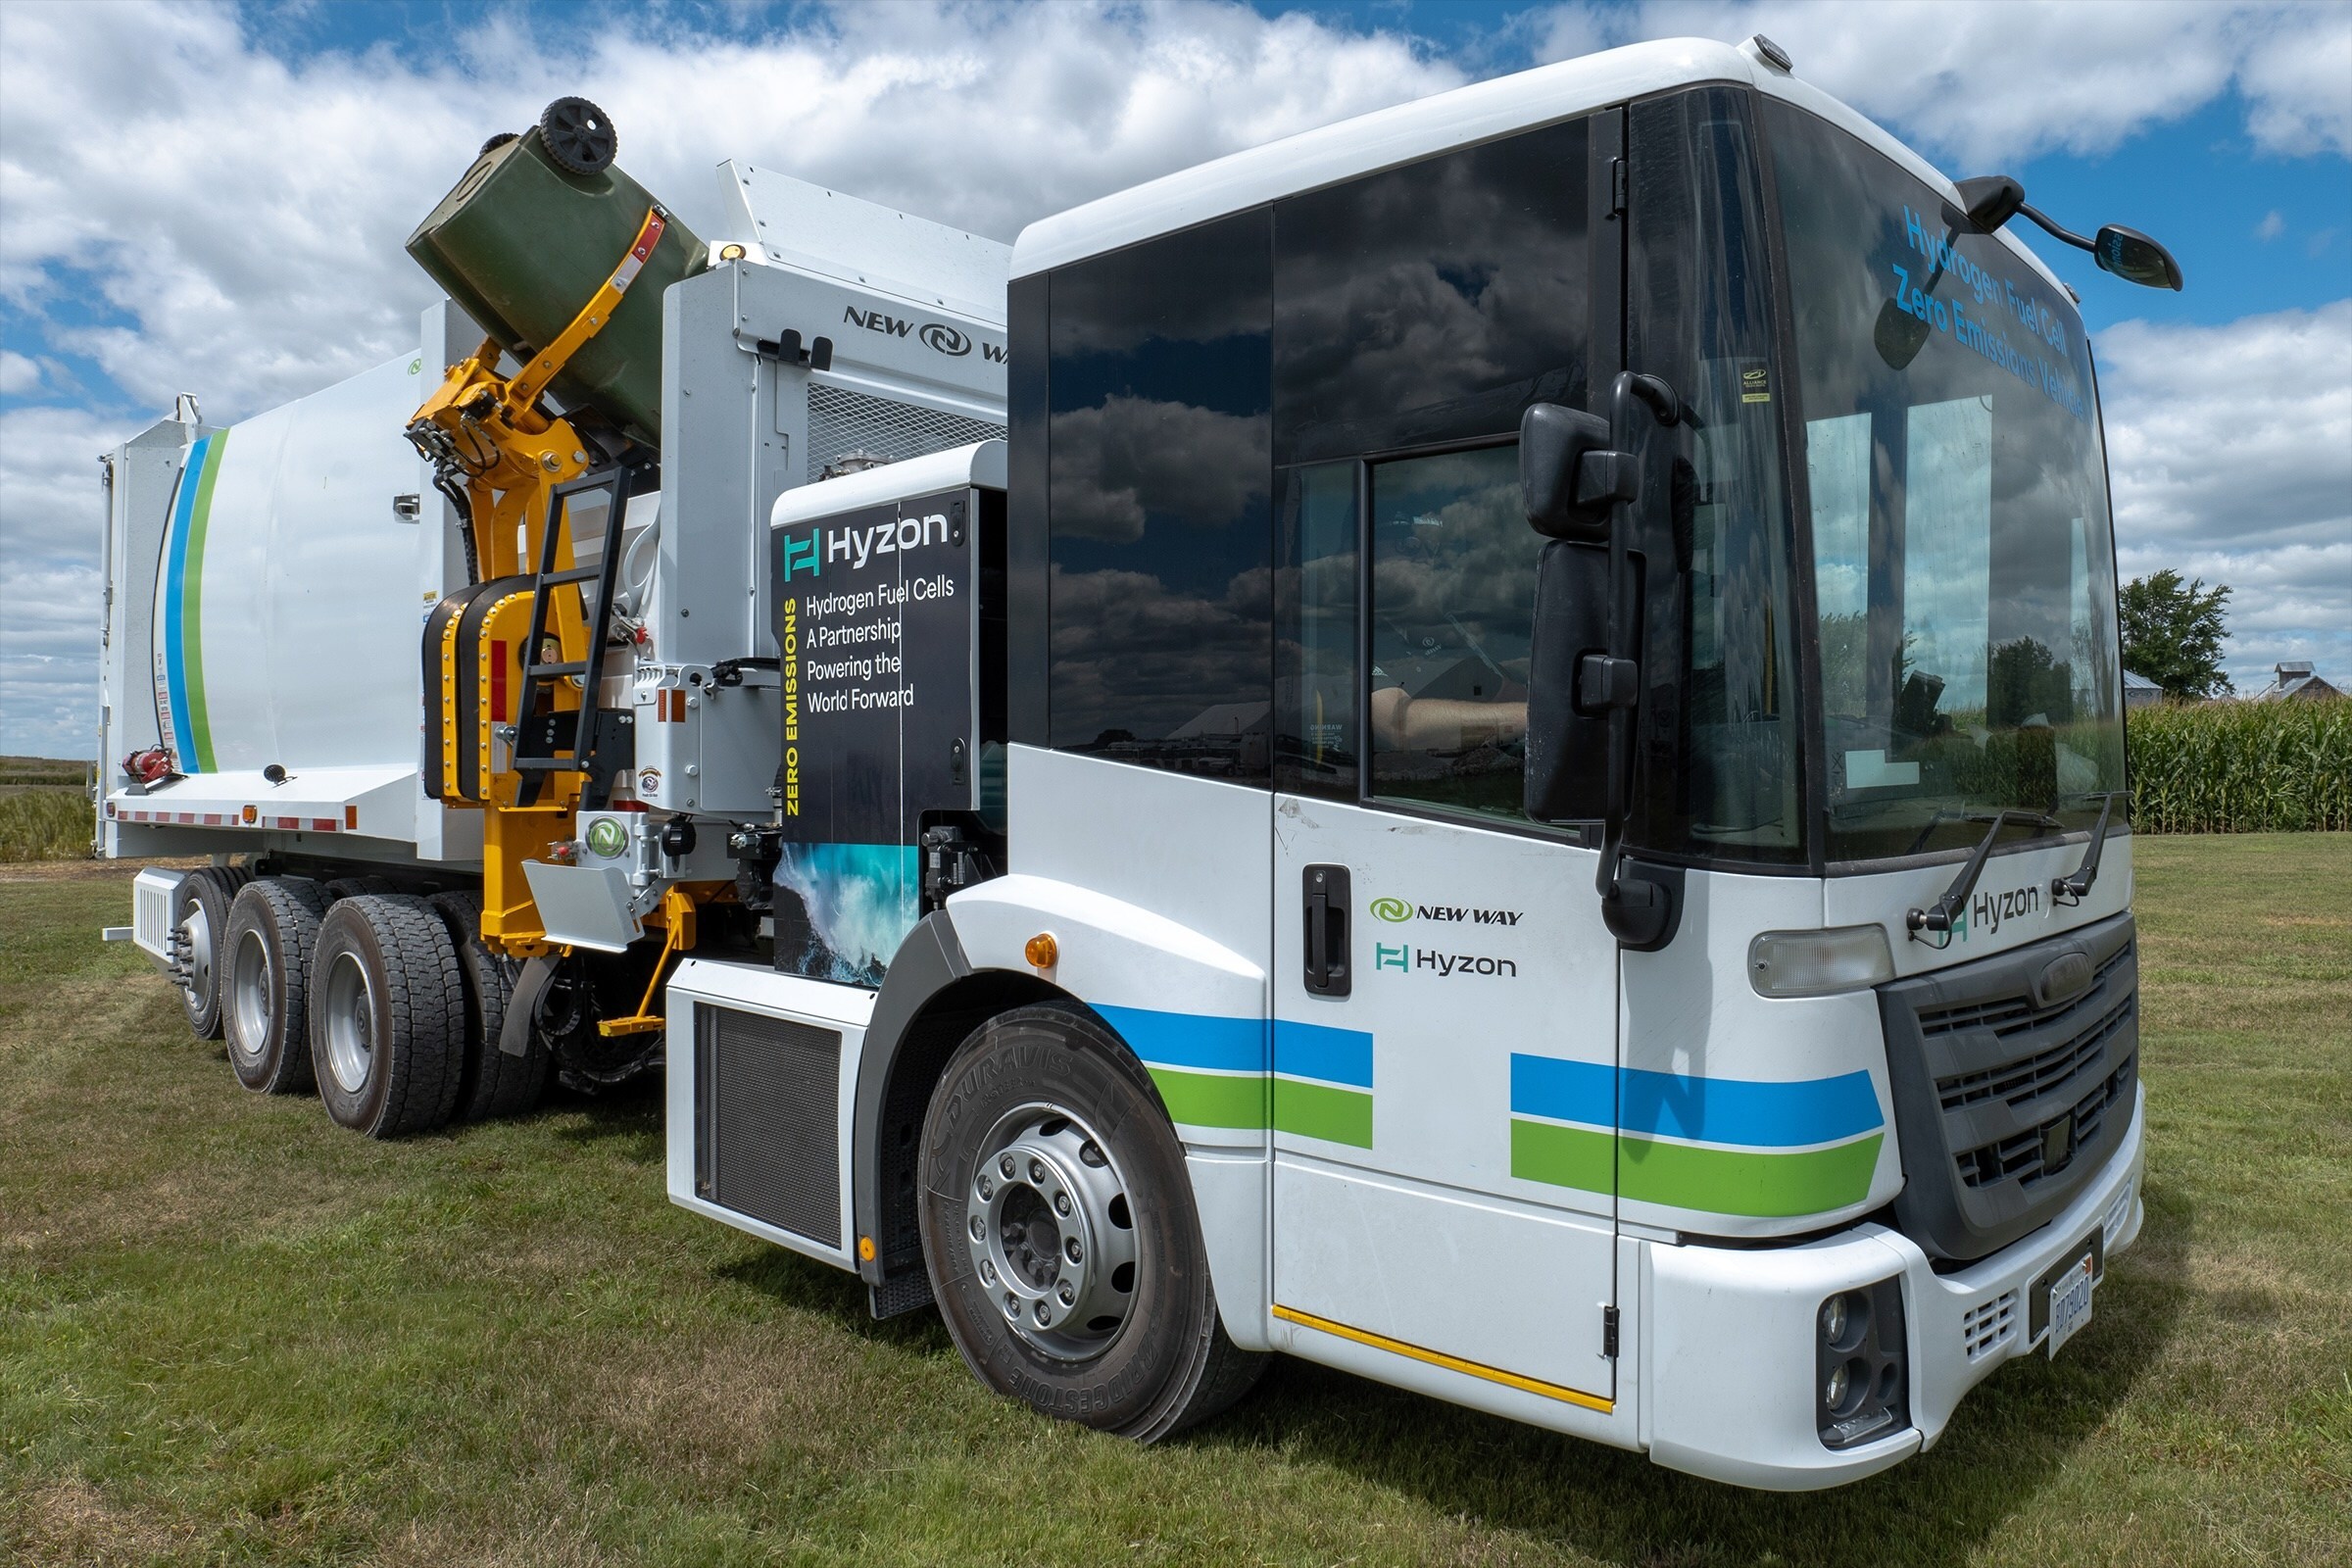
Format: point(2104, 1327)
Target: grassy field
point(232, 1332)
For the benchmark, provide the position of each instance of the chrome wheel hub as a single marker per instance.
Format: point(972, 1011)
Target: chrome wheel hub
point(1051, 1233)
point(196, 943)
point(249, 992)
point(350, 1022)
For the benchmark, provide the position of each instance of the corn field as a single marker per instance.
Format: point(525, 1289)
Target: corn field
point(2240, 767)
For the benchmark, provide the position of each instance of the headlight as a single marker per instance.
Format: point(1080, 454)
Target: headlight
point(1860, 1364)
point(1818, 963)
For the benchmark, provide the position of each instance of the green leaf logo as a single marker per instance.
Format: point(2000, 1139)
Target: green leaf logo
point(1391, 909)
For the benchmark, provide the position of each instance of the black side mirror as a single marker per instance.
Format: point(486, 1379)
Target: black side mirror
point(1568, 475)
point(1567, 732)
point(2135, 257)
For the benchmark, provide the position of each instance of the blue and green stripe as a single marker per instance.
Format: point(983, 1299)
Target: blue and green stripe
point(183, 605)
point(1719, 1146)
point(1306, 1079)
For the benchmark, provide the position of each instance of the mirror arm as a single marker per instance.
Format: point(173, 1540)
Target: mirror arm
point(2055, 231)
point(1632, 910)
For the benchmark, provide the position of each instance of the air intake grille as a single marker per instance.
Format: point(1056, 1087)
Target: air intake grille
point(766, 1119)
point(1989, 1325)
point(842, 422)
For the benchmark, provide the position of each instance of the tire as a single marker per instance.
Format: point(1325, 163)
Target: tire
point(352, 887)
point(387, 1017)
point(493, 1083)
point(266, 976)
point(1052, 1093)
point(199, 932)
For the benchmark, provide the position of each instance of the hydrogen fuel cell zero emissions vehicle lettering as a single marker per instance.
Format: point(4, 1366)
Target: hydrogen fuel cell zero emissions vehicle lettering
point(1482, 746)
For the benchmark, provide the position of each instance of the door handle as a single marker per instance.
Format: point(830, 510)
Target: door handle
point(1327, 897)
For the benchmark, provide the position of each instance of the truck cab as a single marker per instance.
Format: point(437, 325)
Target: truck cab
point(1766, 1188)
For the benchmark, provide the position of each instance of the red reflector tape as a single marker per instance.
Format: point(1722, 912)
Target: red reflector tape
point(324, 824)
point(290, 821)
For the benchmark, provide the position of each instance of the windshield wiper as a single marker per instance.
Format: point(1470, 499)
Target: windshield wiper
point(1939, 916)
point(1947, 818)
point(2069, 889)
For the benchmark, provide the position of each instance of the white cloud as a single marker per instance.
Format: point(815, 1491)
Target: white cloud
point(18, 373)
point(2273, 224)
point(1994, 84)
point(2230, 451)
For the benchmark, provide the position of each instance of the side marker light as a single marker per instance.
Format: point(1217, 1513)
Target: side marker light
point(1041, 951)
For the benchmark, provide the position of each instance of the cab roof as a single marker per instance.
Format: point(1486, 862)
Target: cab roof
point(1465, 116)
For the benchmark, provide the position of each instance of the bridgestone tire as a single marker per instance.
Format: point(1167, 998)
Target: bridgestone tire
point(1169, 1363)
point(200, 918)
point(492, 1084)
point(387, 1017)
point(266, 976)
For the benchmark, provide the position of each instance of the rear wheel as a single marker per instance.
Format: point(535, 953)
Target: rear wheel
point(387, 1017)
point(352, 887)
point(494, 1084)
point(272, 930)
point(1059, 1232)
point(199, 930)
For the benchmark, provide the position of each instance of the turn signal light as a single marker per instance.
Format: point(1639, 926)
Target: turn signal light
point(1041, 951)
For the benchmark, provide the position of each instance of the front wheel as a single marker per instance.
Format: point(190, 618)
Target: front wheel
point(1061, 1235)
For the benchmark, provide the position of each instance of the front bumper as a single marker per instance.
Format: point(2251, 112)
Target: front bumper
point(1728, 1342)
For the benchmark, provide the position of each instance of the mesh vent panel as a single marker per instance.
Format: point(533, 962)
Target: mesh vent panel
point(841, 421)
point(770, 1094)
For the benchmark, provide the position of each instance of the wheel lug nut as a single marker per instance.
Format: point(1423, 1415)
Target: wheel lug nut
point(1037, 1171)
point(1061, 1204)
point(988, 1189)
point(1042, 1314)
point(1070, 1249)
point(1068, 1295)
point(988, 1272)
point(1006, 1166)
point(979, 1231)
point(1013, 1304)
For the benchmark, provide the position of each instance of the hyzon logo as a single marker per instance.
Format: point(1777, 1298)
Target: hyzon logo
point(946, 340)
point(1444, 965)
point(608, 837)
point(1391, 909)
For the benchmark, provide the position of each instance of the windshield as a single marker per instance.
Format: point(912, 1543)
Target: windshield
point(1962, 563)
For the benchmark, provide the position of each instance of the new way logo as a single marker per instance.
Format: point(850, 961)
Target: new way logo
point(1396, 911)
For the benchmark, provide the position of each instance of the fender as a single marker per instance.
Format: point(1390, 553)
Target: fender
point(961, 965)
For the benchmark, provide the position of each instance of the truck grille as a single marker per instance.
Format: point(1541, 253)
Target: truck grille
point(2007, 1099)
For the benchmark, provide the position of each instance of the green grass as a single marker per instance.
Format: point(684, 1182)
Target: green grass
point(232, 1332)
point(44, 823)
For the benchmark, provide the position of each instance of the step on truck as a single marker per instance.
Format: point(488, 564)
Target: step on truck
point(1483, 746)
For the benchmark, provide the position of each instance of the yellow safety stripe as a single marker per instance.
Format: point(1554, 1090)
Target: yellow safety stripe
point(1451, 1363)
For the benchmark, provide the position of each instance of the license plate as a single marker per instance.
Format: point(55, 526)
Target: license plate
point(2070, 1303)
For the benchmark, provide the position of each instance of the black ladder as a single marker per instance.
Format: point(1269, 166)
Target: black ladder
point(601, 741)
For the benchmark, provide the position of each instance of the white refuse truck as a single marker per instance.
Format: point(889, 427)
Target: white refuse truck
point(1484, 746)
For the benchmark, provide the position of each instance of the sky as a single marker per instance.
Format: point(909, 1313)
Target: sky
point(211, 199)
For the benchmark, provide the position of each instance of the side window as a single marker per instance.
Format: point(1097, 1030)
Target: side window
point(1453, 586)
point(1433, 303)
point(1316, 582)
point(1161, 530)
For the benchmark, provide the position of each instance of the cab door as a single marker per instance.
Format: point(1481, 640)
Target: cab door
point(1444, 994)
